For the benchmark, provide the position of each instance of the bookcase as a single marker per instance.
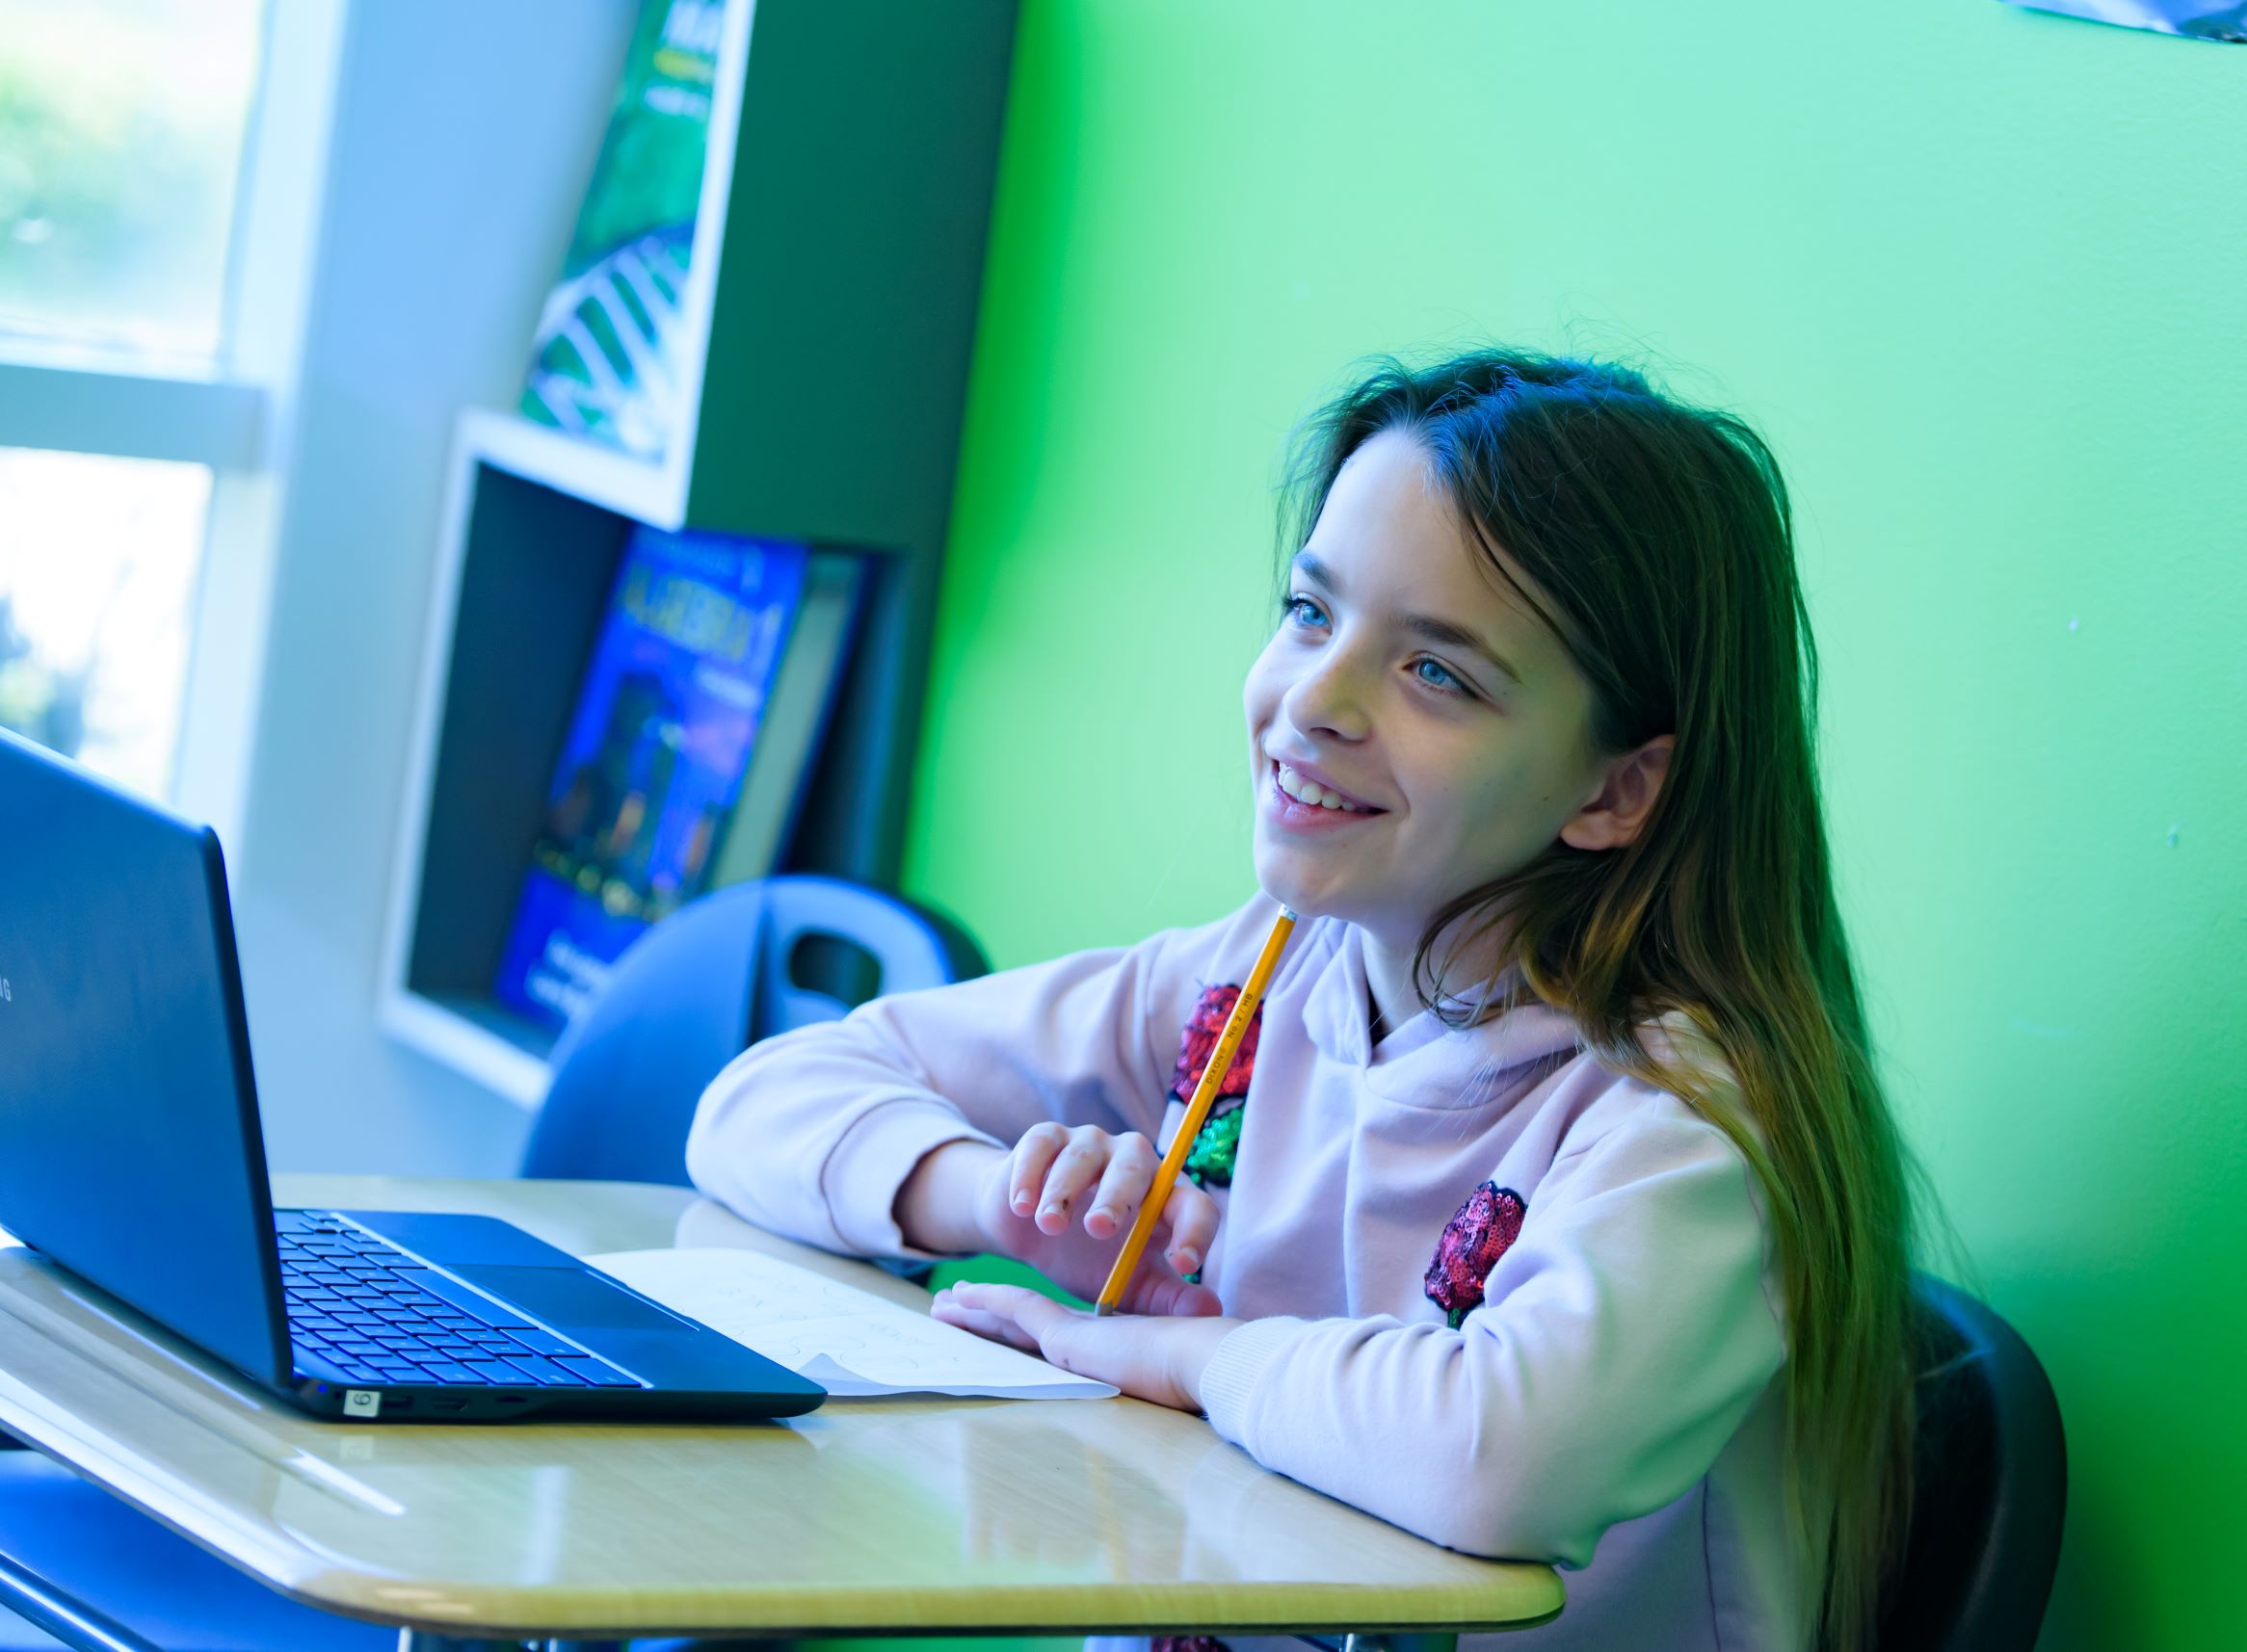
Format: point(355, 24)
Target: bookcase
point(830, 307)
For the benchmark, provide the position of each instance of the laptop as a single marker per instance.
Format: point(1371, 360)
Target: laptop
point(132, 1155)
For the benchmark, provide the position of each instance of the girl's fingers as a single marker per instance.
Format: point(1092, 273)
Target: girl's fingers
point(1055, 1172)
point(998, 1312)
point(1074, 1169)
point(1033, 1156)
point(1156, 1290)
point(990, 1326)
point(1191, 1215)
point(1131, 1163)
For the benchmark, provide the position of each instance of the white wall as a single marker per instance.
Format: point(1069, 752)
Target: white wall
point(462, 134)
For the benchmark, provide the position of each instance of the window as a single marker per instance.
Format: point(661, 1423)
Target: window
point(120, 140)
point(122, 125)
point(96, 572)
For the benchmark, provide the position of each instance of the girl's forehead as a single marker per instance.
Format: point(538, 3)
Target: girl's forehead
point(1390, 537)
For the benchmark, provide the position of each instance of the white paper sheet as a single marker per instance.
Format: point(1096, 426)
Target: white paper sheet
point(850, 1342)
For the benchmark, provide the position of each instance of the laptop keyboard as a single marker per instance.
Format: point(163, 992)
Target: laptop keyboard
point(381, 1315)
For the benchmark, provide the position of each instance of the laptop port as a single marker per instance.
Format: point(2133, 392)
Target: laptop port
point(448, 1405)
point(511, 1400)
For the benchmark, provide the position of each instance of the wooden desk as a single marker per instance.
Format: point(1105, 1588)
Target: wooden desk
point(865, 1517)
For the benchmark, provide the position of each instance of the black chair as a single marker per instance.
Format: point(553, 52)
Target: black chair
point(1992, 1487)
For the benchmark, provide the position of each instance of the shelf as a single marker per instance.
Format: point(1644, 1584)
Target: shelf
point(831, 292)
point(475, 1038)
point(604, 476)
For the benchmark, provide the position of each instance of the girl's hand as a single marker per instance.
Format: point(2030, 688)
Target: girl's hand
point(1063, 1200)
point(1159, 1358)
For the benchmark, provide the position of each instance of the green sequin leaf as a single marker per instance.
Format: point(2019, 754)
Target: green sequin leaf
point(1210, 1159)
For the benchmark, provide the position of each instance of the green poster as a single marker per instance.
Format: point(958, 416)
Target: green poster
point(609, 353)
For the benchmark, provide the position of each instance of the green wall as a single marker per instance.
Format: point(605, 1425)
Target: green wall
point(1978, 274)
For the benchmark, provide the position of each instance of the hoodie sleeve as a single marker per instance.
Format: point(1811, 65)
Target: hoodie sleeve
point(1620, 1342)
point(811, 1133)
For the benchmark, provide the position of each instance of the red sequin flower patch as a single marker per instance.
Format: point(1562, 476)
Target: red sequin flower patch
point(1209, 1162)
point(1204, 1028)
point(1473, 1240)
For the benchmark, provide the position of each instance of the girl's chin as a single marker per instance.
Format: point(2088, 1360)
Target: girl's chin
point(1307, 891)
point(1316, 891)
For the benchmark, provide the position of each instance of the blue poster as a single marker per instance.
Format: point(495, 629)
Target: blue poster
point(2198, 19)
point(669, 712)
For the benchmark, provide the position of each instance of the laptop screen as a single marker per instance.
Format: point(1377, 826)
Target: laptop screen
point(130, 1150)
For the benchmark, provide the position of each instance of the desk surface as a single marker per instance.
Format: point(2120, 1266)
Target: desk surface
point(1006, 1516)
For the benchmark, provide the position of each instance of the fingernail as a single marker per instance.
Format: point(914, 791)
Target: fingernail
point(1022, 1204)
point(1185, 1260)
point(1054, 1207)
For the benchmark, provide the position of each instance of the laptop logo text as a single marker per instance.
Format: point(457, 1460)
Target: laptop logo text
point(7, 992)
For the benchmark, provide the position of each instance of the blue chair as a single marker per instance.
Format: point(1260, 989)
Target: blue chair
point(1992, 1491)
point(689, 996)
point(701, 987)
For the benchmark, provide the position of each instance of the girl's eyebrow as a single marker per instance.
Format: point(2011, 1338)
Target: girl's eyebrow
point(1418, 624)
point(1459, 636)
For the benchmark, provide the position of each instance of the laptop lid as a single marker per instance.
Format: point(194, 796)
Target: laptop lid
point(130, 1150)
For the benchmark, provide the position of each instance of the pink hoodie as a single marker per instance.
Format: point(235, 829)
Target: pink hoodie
point(1612, 1401)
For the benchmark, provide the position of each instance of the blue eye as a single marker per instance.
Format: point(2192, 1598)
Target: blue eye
point(1297, 606)
point(1449, 682)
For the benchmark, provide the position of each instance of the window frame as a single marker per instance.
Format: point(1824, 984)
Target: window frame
point(121, 408)
point(231, 414)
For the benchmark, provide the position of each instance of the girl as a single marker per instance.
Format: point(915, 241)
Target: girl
point(1554, 1211)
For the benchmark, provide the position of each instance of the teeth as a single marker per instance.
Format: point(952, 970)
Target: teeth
point(1304, 791)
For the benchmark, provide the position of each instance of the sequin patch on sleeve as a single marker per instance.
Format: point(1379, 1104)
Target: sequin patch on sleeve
point(1482, 1230)
point(1210, 1159)
point(1187, 1643)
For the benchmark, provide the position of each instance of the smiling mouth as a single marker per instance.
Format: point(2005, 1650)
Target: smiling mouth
point(1308, 793)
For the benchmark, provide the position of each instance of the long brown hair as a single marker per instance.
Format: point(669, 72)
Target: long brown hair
point(1659, 532)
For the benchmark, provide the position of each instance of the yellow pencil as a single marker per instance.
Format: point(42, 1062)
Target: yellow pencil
point(1236, 1028)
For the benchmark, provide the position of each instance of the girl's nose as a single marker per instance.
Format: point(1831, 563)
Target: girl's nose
point(1331, 697)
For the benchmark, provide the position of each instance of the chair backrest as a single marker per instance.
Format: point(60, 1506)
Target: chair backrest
point(1992, 1486)
point(699, 989)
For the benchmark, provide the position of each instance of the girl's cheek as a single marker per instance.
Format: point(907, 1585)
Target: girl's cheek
point(1260, 695)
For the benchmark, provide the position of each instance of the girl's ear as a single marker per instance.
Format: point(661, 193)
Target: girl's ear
point(1625, 797)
